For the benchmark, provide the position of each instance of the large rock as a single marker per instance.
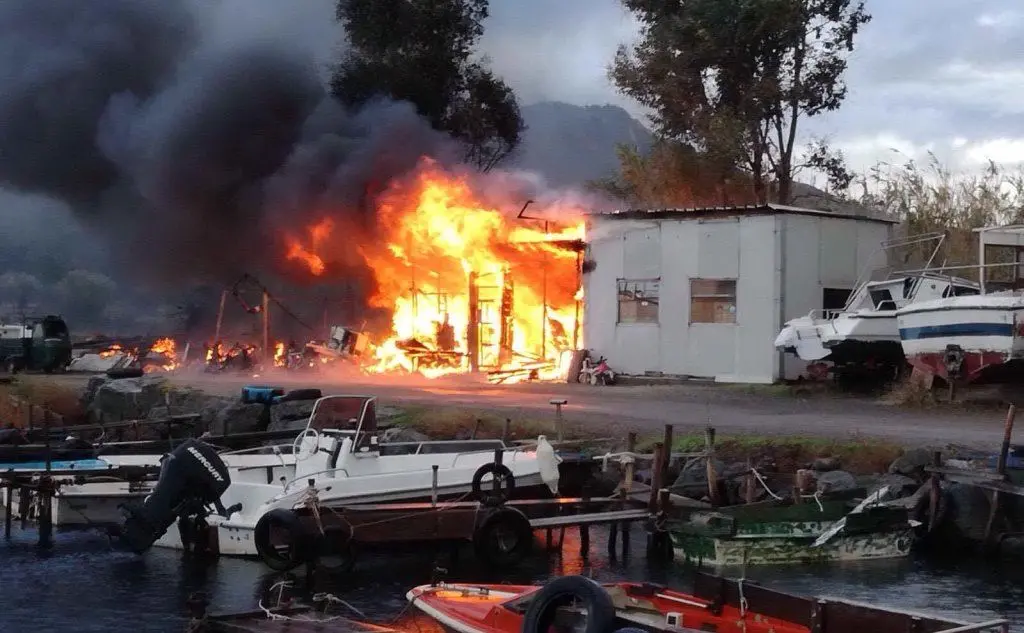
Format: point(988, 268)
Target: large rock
point(911, 463)
point(239, 417)
point(836, 480)
point(900, 485)
point(128, 398)
point(402, 434)
point(290, 415)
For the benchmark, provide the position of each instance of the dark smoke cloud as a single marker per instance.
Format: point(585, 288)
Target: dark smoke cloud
point(193, 149)
point(60, 62)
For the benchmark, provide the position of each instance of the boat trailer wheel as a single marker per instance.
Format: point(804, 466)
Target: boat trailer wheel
point(560, 592)
point(501, 477)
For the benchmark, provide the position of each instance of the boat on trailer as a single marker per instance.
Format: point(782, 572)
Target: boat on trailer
point(715, 604)
point(864, 334)
point(978, 338)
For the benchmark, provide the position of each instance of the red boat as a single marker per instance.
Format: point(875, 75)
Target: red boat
point(576, 603)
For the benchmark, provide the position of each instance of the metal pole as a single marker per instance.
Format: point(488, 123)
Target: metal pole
point(220, 315)
point(544, 300)
point(268, 354)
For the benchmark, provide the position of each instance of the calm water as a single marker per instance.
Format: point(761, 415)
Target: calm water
point(83, 586)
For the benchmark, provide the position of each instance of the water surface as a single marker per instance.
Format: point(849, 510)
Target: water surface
point(81, 585)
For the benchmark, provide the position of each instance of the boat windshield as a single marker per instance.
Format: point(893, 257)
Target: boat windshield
point(345, 414)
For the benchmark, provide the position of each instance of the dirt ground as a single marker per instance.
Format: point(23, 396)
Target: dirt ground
point(690, 407)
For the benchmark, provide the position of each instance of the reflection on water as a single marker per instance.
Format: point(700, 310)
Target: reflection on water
point(85, 587)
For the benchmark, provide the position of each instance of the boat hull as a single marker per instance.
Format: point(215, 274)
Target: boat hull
point(985, 333)
point(796, 548)
point(235, 537)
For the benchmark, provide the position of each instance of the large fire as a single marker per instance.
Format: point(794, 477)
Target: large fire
point(470, 287)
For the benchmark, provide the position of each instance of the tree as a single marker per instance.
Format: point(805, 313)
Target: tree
point(421, 51)
point(670, 175)
point(733, 78)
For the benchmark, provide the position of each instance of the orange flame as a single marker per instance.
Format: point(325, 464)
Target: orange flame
point(459, 275)
point(318, 234)
point(167, 348)
point(280, 360)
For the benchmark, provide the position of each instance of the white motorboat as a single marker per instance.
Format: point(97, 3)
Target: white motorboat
point(976, 338)
point(401, 470)
point(864, 334)
point(338, 459)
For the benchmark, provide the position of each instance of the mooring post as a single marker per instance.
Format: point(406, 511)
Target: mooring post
point(476, 428)
point(507, 431)
point(627, 484)
point(584, 528)
point(433, 486)
point(8, 507)
point(1004, 451)
point(652, 502)
point(499, 456)
point(559, 422)
point(934, 490)
point(667, 441)
point(709, 449)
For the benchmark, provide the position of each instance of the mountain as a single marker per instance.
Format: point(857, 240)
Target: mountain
point(572, 144)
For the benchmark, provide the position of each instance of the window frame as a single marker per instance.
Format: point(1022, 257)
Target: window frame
point(622, 283)
point(733, 296)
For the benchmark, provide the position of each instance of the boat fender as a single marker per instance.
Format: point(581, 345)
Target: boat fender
point(920, 511)
point(491, 538)
point(334, 552)
point(493, 497)
point(300, 544)
point(540, 615)
point(548, 462)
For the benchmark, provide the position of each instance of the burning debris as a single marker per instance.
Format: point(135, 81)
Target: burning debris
point(149, 356)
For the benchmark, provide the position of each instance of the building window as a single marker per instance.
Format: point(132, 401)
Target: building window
point(712, 301)
point(638, 300)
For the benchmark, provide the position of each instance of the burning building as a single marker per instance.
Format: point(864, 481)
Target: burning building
point(470, 287)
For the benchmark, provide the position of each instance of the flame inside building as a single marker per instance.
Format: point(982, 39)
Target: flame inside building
point(470, 287)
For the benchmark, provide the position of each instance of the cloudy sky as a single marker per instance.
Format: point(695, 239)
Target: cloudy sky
point(939, 75)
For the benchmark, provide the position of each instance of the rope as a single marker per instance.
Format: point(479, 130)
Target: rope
point(765, 484)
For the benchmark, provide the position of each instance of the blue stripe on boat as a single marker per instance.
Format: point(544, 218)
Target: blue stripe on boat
point(956, 329)
point(77, 464)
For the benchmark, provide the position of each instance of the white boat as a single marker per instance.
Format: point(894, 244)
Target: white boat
point(975, 338)
point(339, 449)
point(864, 334)
point(337, 457)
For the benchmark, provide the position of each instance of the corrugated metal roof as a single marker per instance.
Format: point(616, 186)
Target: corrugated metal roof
point(730, 211)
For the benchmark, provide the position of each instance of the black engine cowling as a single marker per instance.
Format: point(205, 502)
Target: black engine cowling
point(192, 477)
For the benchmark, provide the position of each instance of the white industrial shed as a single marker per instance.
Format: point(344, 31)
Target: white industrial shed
point(703, 292)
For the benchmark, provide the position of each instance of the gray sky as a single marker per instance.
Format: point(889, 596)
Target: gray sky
point(939, 75)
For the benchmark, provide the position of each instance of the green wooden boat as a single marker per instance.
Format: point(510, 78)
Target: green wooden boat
point(775, 532)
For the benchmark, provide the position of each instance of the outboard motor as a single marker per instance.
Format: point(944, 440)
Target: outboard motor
point(192, 477)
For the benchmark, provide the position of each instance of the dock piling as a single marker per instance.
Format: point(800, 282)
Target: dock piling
point(9, 502)
point(1004, 450)
point(559, 421)
point(709, 449)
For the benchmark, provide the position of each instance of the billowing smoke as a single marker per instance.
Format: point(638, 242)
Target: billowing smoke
point(191, 148)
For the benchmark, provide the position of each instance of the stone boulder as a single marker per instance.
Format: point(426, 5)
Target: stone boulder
point(835, 480)
point(826, 464)
point(911, 463)
point(290, 415)
point(240, 417)
point(397, 434)
point(128, 398)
